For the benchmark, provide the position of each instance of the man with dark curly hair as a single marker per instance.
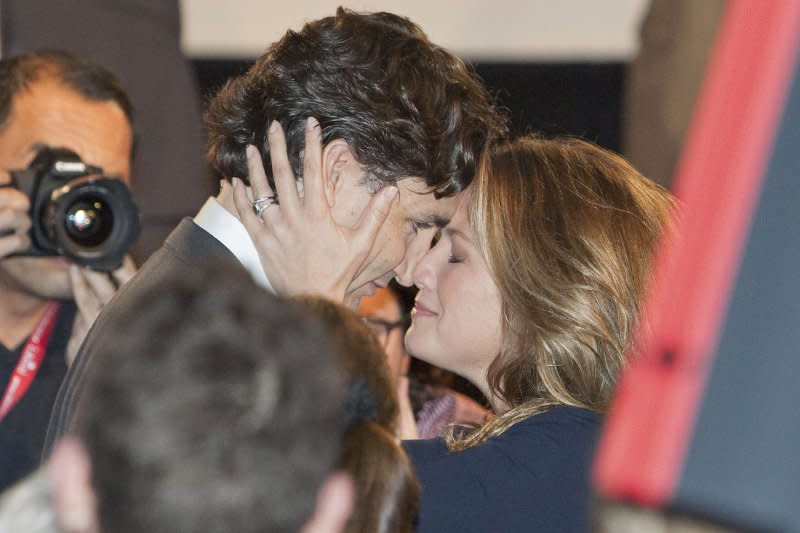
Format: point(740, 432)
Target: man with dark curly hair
point(394, 110)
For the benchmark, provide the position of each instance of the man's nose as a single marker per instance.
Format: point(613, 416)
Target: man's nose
point(404, 273)
point(422, 274)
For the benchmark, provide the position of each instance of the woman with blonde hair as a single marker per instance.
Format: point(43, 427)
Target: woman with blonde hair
point(532, 293)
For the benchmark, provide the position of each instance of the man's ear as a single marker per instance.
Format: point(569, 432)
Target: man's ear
point(74, 500)
point(338, 162)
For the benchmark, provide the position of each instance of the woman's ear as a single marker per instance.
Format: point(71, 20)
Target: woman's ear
point(337, 163)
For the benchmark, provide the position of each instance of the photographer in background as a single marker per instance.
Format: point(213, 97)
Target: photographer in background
point(49, 98)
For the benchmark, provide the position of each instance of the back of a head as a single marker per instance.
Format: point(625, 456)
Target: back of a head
point(387, 491)
point(568, 230)
point(87, 78)
point(405, 106)
point(361, 357)
point(213, 407)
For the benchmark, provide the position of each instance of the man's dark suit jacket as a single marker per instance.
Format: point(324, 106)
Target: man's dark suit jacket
point(186, 247)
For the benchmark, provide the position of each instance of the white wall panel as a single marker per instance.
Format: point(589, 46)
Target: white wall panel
point(516, 30)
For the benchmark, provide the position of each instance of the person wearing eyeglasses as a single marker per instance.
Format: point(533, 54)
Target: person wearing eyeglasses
point(384, 316)
point(426, 411)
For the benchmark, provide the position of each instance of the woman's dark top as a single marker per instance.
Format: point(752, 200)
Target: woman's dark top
point(532, 478)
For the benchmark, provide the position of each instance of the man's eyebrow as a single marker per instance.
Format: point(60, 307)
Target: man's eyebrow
point(31, 150)
point(453, 232)
point(431, 221)
point(35, 148)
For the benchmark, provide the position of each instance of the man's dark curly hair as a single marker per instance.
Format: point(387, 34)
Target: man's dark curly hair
point(405, 106)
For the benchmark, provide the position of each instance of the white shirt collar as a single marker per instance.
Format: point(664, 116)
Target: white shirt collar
point(228, 230)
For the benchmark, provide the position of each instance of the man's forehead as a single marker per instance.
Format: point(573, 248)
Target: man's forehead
point(422, 206)
point(460, 219)
point(50, 113)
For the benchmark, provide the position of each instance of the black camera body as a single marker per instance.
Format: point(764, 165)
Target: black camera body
point(76, 212)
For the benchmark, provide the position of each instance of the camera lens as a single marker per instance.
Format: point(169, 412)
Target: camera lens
point(89, 221)
point(92, 221)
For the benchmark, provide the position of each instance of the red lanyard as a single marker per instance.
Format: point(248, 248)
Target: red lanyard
point(29, 361)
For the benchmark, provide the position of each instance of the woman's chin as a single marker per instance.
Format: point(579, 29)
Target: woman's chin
point(414, 345)
point(420, 346)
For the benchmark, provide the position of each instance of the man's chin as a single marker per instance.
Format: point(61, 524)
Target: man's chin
point(44, 277)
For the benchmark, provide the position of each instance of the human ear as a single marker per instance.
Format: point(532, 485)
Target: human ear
point(74, 502)
point(337, 161)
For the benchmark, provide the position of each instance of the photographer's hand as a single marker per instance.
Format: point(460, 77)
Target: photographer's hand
point(91, 291)
point(14, 221)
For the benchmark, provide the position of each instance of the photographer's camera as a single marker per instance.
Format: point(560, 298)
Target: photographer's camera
point(76, 212)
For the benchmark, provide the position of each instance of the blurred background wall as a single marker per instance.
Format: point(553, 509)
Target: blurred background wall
point(479, 29)
point(622, 73)
point(557, 66)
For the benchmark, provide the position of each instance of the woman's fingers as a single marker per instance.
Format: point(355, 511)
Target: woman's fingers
point(244, 206)
point(264, 200)
point(301, 247)
point(256, 174)
point(285, 182)
point(373, 217)
point(313, 193)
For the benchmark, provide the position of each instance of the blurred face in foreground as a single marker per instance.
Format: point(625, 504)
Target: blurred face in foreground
point(383, 315)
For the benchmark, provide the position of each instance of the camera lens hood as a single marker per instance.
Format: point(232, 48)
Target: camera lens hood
point(92, 221)
point(76, 211)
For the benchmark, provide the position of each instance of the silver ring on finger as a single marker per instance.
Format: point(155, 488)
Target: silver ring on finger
point(261, 203)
